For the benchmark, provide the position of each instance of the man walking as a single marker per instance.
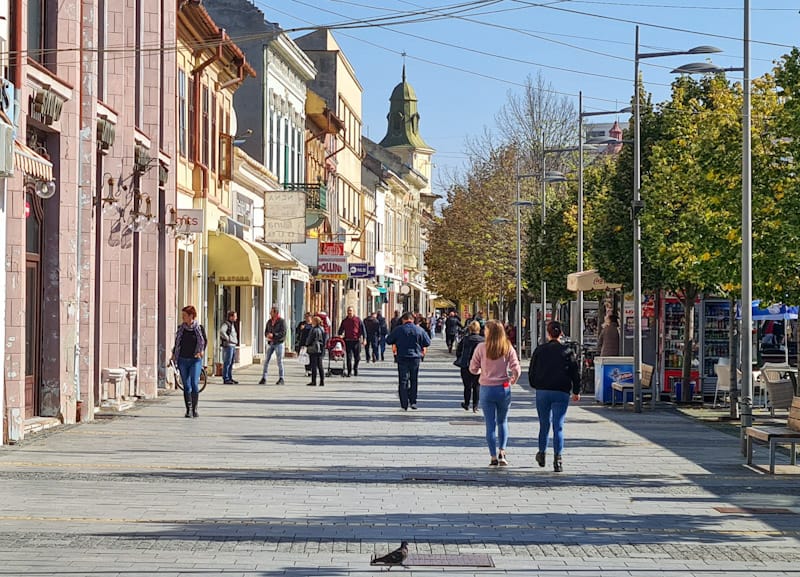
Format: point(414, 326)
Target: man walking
point(352, 330)
point(229, 340)
point(410, 343)
point(395, 322)
point(371, 333)
point(276, 335)
point(382, 332)
point(451, 326)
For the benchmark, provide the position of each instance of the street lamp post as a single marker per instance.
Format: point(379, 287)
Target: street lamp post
point(637, 206)
point(581, 116)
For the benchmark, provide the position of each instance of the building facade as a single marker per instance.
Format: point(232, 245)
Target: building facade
point(85, 246)
point(336, 83)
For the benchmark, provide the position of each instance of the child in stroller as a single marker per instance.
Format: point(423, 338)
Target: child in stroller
point(336, 356)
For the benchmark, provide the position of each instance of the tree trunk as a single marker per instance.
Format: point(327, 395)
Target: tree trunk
point(688, 344)
point(733, 347)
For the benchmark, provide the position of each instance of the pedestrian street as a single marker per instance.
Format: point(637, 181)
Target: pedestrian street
point(293, 480)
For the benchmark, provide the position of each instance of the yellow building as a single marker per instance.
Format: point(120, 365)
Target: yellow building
point(213, 259)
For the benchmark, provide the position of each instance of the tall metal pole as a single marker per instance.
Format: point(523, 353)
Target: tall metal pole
point(518, 307)
point(543, 335)
point(747, 239)
point(580, 215)
point(637, 236)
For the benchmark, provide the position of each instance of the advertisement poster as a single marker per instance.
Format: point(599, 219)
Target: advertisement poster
point(331, 261)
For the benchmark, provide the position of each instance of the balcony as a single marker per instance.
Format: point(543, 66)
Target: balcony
point(316, 201)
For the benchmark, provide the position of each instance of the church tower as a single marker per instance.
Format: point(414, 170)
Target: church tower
point(402, 136)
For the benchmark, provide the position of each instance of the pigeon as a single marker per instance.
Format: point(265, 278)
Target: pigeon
point(396, 557)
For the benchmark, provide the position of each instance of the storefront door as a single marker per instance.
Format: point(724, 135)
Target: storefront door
point(33, 303)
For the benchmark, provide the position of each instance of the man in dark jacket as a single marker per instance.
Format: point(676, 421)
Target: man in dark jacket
point(352, 330)
point(395, 322)
point(382, 332)
point(371, 328)
point(409, 342)
point(451, 327)
point(275, 332)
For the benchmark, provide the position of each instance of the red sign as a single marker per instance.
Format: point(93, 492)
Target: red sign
point(331, 262)
point(331, 248)
point(27, 208)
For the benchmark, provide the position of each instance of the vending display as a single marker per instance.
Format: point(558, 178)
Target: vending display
point(673, 344)
point(716, 323)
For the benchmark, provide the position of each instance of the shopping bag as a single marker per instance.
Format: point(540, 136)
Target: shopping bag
point(302, 357)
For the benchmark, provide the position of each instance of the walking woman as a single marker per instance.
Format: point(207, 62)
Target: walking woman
point(496, 363)
point(464, 351)
point(315, 346)
point(190, 345)
point(553, 373)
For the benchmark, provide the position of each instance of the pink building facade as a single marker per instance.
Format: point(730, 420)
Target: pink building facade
point(89, 263)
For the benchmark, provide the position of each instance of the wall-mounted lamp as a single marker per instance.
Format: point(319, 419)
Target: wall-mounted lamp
point(45, 188)
point(178, 227)
point(139, 221)
point(110, 203)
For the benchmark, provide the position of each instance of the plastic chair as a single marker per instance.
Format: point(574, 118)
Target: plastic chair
point(723, 372)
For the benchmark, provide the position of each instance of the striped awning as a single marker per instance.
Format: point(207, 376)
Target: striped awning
point(32, 163)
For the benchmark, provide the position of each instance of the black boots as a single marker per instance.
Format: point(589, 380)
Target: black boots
point(187, 400)
point(195, 396)
point(557, 464)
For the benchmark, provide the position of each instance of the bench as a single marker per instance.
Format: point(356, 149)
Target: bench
point(774, 436)
point(626, 387)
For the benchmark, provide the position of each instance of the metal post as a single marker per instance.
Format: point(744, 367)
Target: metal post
point(518, 307)
point(747, 240)
point(580, 216)
point(543, 335)
point(637, 235)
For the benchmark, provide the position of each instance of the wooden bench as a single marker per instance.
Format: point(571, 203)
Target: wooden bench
point(624, 388)
point(774, 436)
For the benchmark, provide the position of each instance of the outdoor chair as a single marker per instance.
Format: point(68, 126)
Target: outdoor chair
point(723, 372)
point(780, 390)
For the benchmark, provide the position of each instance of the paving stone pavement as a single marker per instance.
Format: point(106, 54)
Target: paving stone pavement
point(294, 480)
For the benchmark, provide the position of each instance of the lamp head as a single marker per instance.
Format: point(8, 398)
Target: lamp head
point(704, 50)
point(45, 189)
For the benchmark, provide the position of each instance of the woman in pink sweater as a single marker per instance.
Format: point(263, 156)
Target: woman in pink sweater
point(496, 363)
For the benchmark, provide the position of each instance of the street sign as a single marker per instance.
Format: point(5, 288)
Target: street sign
point(358, 270)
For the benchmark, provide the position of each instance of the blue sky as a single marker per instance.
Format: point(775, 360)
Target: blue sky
point(463, 68)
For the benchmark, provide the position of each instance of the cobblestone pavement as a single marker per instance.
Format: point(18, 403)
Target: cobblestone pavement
point(294, 480)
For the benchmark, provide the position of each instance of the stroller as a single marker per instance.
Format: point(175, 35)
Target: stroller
point(336, 356)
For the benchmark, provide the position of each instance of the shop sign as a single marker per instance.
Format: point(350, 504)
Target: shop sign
point(285, 217)
point(189, 220)
point(331, 261)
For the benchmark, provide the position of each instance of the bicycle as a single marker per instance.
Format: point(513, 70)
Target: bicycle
point(176, 375)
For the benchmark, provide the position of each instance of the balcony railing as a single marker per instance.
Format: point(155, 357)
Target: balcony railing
point(316, 194)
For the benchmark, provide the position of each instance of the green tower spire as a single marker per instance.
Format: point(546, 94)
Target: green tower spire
point(403, 118)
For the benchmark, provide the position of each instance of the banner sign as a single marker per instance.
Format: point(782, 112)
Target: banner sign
point(285, 217)
point(331, 261)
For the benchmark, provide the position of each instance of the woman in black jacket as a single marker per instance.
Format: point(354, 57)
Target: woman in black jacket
point(553, 373)
point(466, 347)
point(315, 347)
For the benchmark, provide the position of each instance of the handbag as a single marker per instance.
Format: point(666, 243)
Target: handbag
point(303, 357)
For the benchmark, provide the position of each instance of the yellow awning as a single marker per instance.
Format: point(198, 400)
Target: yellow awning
point(232, 261)
point(443, 303)
point(271, 257)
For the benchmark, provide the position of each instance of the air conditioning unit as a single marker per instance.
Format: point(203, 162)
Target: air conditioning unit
point(6, 150)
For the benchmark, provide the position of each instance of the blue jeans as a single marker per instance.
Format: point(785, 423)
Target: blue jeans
point(189, 368)
point(382, 345)
point(371, 348)
point(228, 354)
point(555, 403)
point(408, 372)
point(278, 349)
point(495, 402)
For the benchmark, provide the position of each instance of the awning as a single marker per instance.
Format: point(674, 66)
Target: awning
point(443, 303)
point(588, 280)
point(32, 163)
point(270, 257)
point(232, 261)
